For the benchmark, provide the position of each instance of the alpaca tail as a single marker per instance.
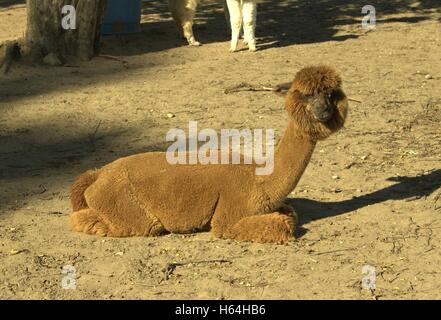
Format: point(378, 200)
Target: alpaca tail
point(79, 186)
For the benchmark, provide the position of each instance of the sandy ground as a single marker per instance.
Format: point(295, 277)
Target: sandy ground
point(383, 210)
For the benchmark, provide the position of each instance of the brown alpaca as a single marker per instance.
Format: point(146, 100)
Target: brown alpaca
point(144, 195)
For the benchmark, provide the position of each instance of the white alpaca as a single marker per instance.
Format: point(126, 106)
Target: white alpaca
point(242, 12)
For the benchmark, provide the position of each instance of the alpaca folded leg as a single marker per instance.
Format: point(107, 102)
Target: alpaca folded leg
point(249, 23)
point(273, 227)
point(93, 222)
point(89, 221)
point(235, 10)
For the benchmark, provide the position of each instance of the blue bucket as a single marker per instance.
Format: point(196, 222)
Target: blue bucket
point(122, 17)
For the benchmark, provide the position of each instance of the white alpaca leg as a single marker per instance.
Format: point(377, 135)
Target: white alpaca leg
point(249, 23)
point(234, 7)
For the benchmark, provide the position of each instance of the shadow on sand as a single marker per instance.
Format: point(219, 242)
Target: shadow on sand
point(406, 188)
point(280, 23)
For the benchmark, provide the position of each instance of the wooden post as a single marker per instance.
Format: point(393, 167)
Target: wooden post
point(45, 34)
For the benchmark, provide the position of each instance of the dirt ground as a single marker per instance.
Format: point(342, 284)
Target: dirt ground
point(370, 196)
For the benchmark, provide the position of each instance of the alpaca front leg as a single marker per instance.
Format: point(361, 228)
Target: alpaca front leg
point(235, 10)
point(249, 23)
point(274, 227)
point(183, 12)
point(187, 28)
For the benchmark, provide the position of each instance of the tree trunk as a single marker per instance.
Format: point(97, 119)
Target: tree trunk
point(45, 33)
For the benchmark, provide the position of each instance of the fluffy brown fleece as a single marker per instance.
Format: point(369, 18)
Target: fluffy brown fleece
point(308, 83)
point(316, 79)
point(144, 195)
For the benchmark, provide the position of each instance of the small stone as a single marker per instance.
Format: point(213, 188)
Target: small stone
point(428, 77)
point(337, 190)
point(119, 253)
point(335, 177)
point(363, 157)
point(14, 252)
point(52, 60)
point(170, 115)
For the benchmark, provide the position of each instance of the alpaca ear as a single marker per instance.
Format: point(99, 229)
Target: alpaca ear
point(282, 89)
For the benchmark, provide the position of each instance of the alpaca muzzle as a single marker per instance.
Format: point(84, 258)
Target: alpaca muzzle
point(322, 108)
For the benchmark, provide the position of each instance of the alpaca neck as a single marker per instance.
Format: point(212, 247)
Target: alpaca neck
point(291, 158)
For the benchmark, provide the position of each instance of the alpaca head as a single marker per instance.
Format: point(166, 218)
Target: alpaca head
point(316, 102)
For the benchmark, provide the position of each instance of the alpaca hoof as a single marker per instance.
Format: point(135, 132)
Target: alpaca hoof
point(195, 44)
point(290, 221)
point(232, 50)
point(252, 46)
